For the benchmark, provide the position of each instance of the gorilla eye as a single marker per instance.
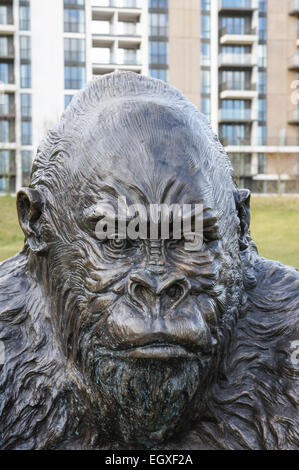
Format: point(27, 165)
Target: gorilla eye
point(117, 244)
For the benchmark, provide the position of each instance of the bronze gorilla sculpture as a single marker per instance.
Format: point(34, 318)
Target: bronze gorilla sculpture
point(139, 344)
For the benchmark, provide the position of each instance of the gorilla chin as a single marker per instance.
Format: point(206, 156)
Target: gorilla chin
point(151, 397)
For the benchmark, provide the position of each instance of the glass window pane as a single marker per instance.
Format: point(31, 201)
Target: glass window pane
point(26, 133)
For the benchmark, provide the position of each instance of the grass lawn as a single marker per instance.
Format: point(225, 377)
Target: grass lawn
point(274, 227)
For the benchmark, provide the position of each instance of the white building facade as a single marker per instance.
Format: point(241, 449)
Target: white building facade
point(49, 49)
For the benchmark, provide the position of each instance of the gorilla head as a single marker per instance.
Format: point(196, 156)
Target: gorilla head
point(141, 327)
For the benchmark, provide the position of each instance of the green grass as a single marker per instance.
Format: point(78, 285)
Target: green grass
point(11, 236)
point(274, 227)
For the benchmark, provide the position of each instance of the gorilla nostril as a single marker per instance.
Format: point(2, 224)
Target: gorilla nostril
point(142, 293)
point(175, 291)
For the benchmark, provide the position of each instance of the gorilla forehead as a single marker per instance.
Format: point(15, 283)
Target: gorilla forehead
point(143, 147)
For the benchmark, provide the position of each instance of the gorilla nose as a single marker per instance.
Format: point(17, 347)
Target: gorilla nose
point(146, 288)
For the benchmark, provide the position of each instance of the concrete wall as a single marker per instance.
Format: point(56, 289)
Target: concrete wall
point(184, 47)
point(281, 44)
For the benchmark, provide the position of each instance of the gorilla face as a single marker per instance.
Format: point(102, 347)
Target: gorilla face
point(145, 321)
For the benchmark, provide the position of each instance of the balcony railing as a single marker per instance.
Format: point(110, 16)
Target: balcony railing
point(235, 141)
point(234, 30)
point(294, 7)
point(7, 110)
point(239, 86)
point(117, 3)
point(117, 59)
point(269, 141)
point(235, 115)
point(293, 117)
point(294, 62)
point(238, 4)
point(236, 59)
point(121, 29)
point(7, 51)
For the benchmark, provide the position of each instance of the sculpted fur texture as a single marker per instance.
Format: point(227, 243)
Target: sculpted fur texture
point(142, 343)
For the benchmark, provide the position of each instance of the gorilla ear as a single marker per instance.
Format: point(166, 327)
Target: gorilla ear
point(30, 206)
point(242, 200)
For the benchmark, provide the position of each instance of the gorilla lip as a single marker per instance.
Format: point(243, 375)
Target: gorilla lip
point(155, 351)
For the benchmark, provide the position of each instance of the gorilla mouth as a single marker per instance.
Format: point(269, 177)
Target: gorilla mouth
point(158, 351)
point(153, 350)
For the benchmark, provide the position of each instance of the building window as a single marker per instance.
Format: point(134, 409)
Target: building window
point(74, 21)
point(26, 105)
point(262, 30)
point(161, 74)
point(26, 161)
point(26, 167)
point(241, 163)
point(235, 79)
point(6, 46)
point(158, 24)
point(205, 26)
point(158, 52)
point(6, 14)
point(205, 5)
point(262, 135)
point(235, 24)
point(67, 100)
point(262, 163)
point(162, 4)
point(74, 77)
point(26, 131)
point(234, 134)
point(73, 2)
point(262, 6)
point(205, 105)
point(262, 82)
point(205, 82)
point(74, 50)
point(235, 109)
point(24, 17)
point(4, 104)
point(25, 47)
point(262, 109)
point(4, 131)
point(205, 53)
point(262, 55)
point(6, 72)
point(4, 162)
point(25, 75)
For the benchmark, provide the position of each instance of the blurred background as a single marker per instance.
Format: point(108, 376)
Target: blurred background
point(236, 60)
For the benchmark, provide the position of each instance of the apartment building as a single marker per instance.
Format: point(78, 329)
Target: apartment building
point(49, 49)
point(236, 60)
point(244, 80)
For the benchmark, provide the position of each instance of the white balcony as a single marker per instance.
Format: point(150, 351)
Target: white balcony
point(235, 37)
point(293, 117)
point(103, 56)
point(294, 62)
point(238, 91)
point(6, 29)
point(236, 60)
point(130, 4)
point(122, 28)
point(294, 7)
